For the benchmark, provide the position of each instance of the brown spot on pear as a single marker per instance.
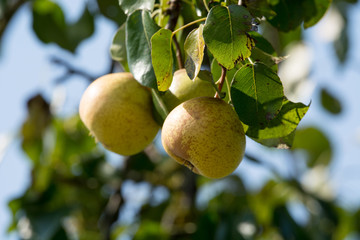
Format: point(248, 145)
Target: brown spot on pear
point(206, 135)
point(118, 112)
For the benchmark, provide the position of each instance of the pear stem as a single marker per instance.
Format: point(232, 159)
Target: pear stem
point(206, 6)
point(221, 81)
point(188, 25)
point(178, 51)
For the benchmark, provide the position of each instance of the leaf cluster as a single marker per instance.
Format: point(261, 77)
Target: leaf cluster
point(223, 37)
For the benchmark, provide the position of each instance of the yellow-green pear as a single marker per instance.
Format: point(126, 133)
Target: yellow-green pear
point(118, 112)
point(183, 88)
point(206, 135)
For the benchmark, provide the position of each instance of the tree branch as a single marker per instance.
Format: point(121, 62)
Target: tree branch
point(71, 70)
point(174, 11)
point(178, 53)
point(111, 212)
point(8, 14)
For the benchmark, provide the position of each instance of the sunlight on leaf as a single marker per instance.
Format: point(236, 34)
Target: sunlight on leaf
point(118, 46)
point(278, 131)
point(162, 59)
point(129, 6)
point(139, 29)
point(194, 47)
point(225, 34)
point(257, 94)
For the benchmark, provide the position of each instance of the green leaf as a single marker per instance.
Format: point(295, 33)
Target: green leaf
point(49, 22)
point(72, 138)
point(216, 71)
point(160, 110)
point(162, 58)
point(111, 10)
point(264, 52)
point(118, 46)
point(262, 43)
point(81, 29)
point(46, 224)
point(34, 127)
point(257, 94)
point(129, 6)
point(50, 26)
point(287, 226)
point(140, 162)
point(280, 142)
point(289, 14)
point(14, 206)
point(314, 11)
point(279, 129)
point(151, 230)
point(259, 8)
point(329, 102)
point(139, 29)
point(342, 43)
point(194, 47)
point(315, 143)
point(225, 34)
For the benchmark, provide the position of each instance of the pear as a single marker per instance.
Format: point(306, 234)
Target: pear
point(182, 88)
point(206, 135)
point(118, 112)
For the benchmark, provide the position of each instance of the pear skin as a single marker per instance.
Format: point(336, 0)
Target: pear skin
point(183, 88)
point(118, 112)
point(206, 135)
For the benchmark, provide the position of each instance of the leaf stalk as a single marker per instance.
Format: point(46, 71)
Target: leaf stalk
point(221, 81)
point(187, 25)
point(206, 6)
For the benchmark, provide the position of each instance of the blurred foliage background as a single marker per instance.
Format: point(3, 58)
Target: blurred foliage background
point(76, 193)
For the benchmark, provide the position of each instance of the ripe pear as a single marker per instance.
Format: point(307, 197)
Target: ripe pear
point(183, 88)
point(118, 112)
point(206, 135)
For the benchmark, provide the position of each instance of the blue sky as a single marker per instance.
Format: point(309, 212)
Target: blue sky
point(25, 70)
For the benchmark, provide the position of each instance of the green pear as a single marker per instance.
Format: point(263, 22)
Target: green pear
point(206, 135)
point(118, 112)
point(183, 88)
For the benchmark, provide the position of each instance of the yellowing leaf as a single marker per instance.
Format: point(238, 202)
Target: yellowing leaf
point(194, 47)
point(162, 59)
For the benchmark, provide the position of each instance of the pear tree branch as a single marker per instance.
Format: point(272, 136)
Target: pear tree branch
point(174, 11)
point(70, 70)
point(221, 81)
point(9, 12)
point(206, 6)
